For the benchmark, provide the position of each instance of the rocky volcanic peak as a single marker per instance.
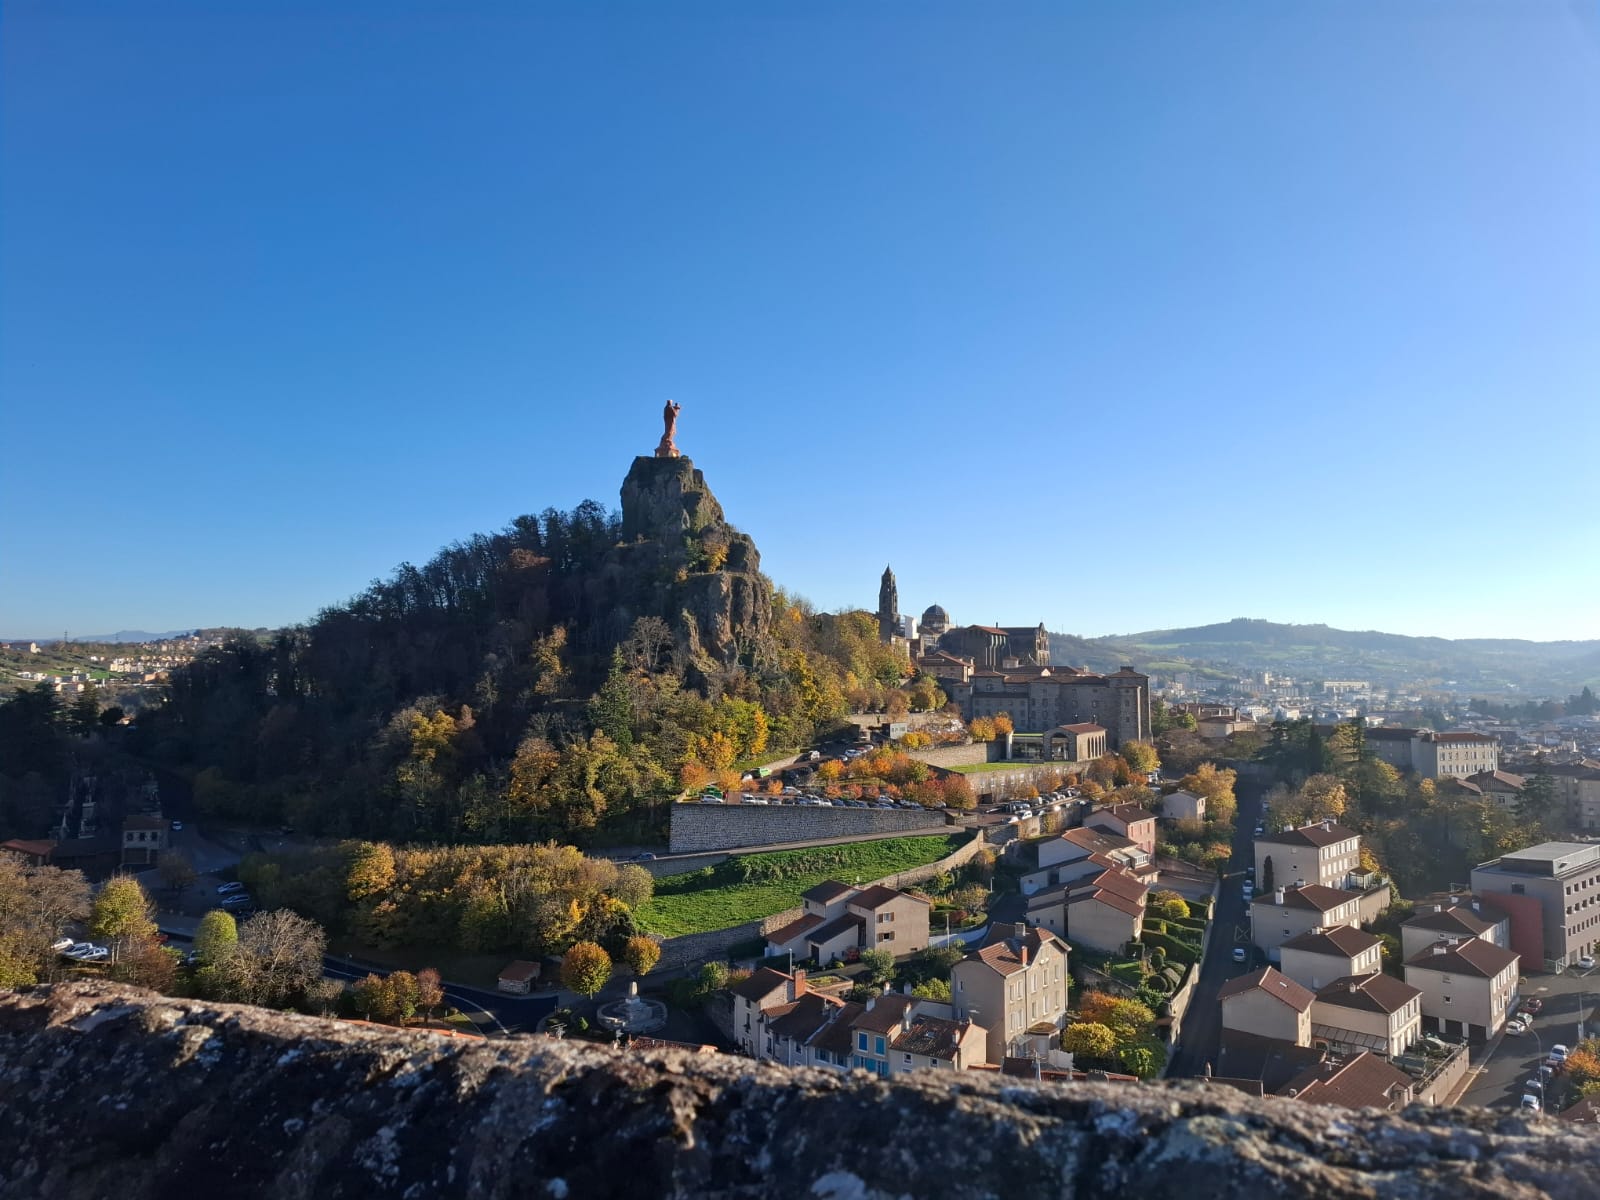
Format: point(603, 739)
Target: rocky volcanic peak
point(109, 1091)
point(681, 561)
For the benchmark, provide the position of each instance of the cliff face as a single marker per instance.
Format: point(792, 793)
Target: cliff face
point(683, 562)
point(108, 1091)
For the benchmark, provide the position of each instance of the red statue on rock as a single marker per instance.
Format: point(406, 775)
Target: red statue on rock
point(669, 448)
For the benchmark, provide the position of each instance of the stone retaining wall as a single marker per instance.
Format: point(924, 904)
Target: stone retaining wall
point(952, 756)
point(697, 828)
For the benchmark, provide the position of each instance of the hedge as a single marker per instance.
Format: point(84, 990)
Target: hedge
point(1176, 950)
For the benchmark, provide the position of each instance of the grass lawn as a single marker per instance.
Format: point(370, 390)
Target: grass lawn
point(980, 768)
point(718, 897)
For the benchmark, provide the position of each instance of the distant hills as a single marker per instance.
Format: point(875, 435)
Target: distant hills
point(1317, 652)
point(122, 635)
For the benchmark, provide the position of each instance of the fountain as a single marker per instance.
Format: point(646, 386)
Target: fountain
point(633, 1014)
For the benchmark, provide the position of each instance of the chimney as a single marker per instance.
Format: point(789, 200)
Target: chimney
point(1020, 929)
point(800, 988)
point(1277, 897)
point(1327, 824)
point(1477, 905)
point(1438, 947)
point(1022, 952)
point(871, 1000)
point(1354, 987)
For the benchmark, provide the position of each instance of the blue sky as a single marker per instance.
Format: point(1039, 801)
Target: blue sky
point(1113, 316)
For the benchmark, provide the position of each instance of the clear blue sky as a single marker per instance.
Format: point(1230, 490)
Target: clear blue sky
point(1114, 316)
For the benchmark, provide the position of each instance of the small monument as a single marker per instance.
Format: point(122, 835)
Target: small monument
point(634, 1014)
point(669, 447)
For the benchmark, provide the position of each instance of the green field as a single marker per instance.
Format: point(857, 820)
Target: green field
point(980, 768)
point(751, 886)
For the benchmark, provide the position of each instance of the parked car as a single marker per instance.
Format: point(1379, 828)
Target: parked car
point(237, 900)
point(1240, 954)
point(86, 952)
point(647, 857)
point(228, 889)
point(1558, 1053)
point(177, 827)
point(1585, 962)
point(1530, 1103)
point(1532, 1005)
point(1249, 889)
point(61, 944)
point(1517, 1026)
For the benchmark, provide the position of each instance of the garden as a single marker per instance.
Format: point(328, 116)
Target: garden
point(749, 887)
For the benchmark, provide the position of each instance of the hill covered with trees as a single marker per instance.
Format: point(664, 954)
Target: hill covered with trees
point(555, 679)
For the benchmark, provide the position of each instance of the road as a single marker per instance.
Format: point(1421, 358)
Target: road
point(1202, 1024)
point(1507, 1062)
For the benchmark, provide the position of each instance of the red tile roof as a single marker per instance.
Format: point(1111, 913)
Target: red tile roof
point(1343, 941)
point(1319, 834)
point(1274, 984)
point(1365, 1081)
point(1471, 956)
point(1369, 993)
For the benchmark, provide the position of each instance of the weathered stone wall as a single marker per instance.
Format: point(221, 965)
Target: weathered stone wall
point(701, 827)
point(109, 1092)
point(1013, 781)
point(952, 756)
point(715, 943)
point(682, 864)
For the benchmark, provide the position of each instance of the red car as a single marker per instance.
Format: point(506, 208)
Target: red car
point(1533, 1006)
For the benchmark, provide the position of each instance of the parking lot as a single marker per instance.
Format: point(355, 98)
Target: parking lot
point(1507, 1062)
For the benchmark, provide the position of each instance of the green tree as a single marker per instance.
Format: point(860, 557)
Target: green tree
point(83, 716)
point(1089, 1039)
point(585, 968)
point(932, 989)
point(611, 709)
point(1128, 1019)
point(641, 954)
point(879, 964)
point(372, 998)
point(1537, 805)
point(215, 938)
point(1141, 757)
point(1170, 904)
point(122, 915)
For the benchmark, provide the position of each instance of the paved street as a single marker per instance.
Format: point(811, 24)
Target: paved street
point(1504, 1064)
point(1202, 1025)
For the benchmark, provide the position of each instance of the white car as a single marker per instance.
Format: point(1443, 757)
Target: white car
point(61, 944)
point(177, 827)
point(1517, 1026)
point(1585, 962)
point(1240, 954)
point(1530, 1103)
point(1249, 889)
point(86, 952)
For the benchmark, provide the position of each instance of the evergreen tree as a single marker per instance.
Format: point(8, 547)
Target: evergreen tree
point(1538, 803)
point(611, 710)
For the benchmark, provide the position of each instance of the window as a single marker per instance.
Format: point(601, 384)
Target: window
point(877, 1046)
point(1447, 999)
point(861, 1041)
point(908, 1060)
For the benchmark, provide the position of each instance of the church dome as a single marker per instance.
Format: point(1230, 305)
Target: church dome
point(936, 616)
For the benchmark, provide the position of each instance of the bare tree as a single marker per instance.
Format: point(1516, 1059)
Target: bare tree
point(177, 872)
point(278, 959)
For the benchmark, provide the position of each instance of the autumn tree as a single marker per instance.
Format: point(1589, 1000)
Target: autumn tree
point(1141, 757)
point(369, 869)
point(981, 729)
point(1089, 1039)
point(323, 996)
point(122, 915)
point(1002, 724)
point(215, 937)
point(404, 995)
point(1127, 1019)
point(1215, 784)
point(1325, 796)
point(1170, 904)
point(430, 991)
point(641, 954)
point(371, 997)
point(585, 968)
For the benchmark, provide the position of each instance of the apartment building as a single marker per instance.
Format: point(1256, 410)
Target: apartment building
point(1441, 755)
point(1103, 911)
point(1323, 852)
point(1318, 957)
point(839, 919)
point(1374, 1012)
point(1468, 987)
point(1014, 983)
point(1551, 894)
point(1080, 852)
point(1286, 913)
point(1267, 1004)
point(1439, 921)
point(1131, 821)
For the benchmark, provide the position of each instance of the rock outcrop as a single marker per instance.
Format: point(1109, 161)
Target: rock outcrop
point(681, 561)
point(113, 1092)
